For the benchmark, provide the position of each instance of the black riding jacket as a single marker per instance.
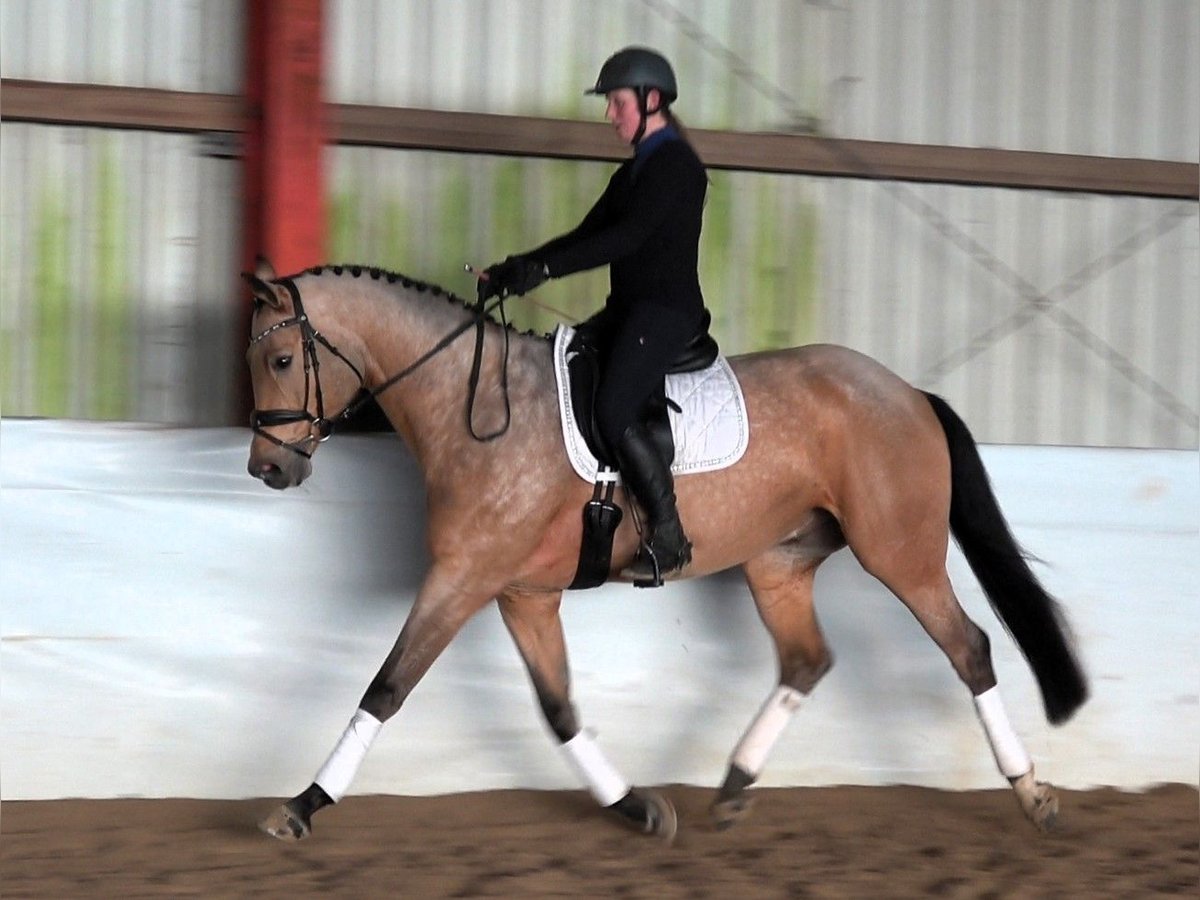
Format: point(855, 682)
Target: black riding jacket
point(646, 227)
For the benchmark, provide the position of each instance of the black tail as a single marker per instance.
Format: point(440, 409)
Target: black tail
point(1031, 615)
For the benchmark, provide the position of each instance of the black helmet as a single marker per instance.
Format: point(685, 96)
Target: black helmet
point(637, 67)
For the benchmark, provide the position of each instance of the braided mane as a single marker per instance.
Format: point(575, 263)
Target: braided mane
point(375, 274)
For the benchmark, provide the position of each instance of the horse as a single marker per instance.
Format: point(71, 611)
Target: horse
point(842, 452)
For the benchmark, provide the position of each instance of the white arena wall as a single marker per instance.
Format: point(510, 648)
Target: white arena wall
point(173, 628)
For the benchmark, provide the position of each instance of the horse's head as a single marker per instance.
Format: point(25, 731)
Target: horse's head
point(297, 396)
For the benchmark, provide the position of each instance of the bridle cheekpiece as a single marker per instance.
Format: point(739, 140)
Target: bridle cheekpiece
point(321, 427)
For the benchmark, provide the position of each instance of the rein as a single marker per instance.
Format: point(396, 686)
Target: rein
point(325, 426)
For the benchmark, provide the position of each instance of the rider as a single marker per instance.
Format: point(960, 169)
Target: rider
point(646, 228)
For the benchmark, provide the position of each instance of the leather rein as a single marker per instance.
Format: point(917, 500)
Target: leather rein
point(322, 427)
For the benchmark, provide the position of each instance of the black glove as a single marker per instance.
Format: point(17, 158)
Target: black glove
point(516, 276)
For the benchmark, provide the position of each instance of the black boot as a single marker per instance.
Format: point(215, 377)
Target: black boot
point(665, 548)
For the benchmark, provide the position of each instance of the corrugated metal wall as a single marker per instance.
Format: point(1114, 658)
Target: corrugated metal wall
point(120, 248)
point(119, 262)
point(1095, 77)
point(945, 284)
point(1046, 318)
point(181, 45)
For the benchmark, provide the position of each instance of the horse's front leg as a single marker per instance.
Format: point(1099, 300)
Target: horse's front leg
point(443, 606)
point(535, 626)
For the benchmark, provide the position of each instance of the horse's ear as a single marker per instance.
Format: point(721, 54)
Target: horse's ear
point(263, 268)
point(260, 283)
point(272, 295)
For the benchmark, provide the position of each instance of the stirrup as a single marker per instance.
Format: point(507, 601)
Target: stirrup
point(644, 570)
point(647, 571)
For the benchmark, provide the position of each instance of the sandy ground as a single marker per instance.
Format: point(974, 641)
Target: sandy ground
point(800, 842)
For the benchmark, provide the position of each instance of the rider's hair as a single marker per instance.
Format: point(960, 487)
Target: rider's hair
point(674, 120)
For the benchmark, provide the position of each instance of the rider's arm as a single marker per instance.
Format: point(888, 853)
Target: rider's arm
point(661, 186)
point(592, 223)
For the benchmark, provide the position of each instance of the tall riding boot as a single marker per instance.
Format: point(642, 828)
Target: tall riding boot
point(665, 548)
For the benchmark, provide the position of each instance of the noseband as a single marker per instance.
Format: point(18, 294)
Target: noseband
point(322, 427)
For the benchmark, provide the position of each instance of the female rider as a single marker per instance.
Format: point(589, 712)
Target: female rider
point(646, 228)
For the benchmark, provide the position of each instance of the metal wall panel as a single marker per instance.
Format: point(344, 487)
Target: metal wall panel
point(1093, 77)
point(1045, 318)
point(184, 45)
point(117, 244)
point(1064, 319)
point(120, 248)
point(118, 277)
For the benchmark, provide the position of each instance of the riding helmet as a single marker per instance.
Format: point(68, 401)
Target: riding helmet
point(637, 67)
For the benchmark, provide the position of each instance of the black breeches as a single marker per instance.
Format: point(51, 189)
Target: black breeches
point(641, 348)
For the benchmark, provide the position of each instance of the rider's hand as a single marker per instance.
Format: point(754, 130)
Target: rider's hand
point(516, 276)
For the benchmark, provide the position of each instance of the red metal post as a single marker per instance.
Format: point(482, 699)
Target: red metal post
point(283, 175)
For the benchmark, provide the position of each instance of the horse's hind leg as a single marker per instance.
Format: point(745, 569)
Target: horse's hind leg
point(533, 622)
point(927, 592)
point(781, 582)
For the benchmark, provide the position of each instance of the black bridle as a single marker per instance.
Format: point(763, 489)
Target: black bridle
point(322, 427)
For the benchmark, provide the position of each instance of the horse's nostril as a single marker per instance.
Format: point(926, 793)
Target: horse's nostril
point(263, 471)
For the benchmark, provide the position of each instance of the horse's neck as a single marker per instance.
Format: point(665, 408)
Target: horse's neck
point(397, 326)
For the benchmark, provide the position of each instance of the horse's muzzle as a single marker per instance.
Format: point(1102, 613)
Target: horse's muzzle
point(277, 476)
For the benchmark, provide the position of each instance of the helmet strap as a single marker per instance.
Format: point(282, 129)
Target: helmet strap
point(643, 94)
point(643, 114)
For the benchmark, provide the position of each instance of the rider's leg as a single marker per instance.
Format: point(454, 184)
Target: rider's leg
point(643, 345)
point(649, 477)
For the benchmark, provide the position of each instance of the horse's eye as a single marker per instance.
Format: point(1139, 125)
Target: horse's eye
point(281, 362)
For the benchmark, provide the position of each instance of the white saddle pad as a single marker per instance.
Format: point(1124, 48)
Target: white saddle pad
point(711, 433)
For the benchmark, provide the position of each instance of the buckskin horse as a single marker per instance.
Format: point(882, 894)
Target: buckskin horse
point(842, 452)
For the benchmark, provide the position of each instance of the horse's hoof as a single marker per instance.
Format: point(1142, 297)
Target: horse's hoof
point(284, 824)
point(1038, 801)
point(661, 818)
point(728, 812)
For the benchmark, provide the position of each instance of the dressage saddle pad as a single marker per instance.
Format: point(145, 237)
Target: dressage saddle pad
point(711, 432)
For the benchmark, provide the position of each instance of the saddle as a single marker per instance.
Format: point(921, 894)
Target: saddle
point(601, 516)
point(583, 363)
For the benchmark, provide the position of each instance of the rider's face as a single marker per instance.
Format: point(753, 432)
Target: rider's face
point(623, 113)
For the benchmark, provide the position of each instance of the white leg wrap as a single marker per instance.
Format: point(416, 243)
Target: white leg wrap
point(751, 752)
point(1011, 755)
point(335, 776)
point(588, 760)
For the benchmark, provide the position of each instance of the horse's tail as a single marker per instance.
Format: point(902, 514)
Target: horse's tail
point(1030, 614)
